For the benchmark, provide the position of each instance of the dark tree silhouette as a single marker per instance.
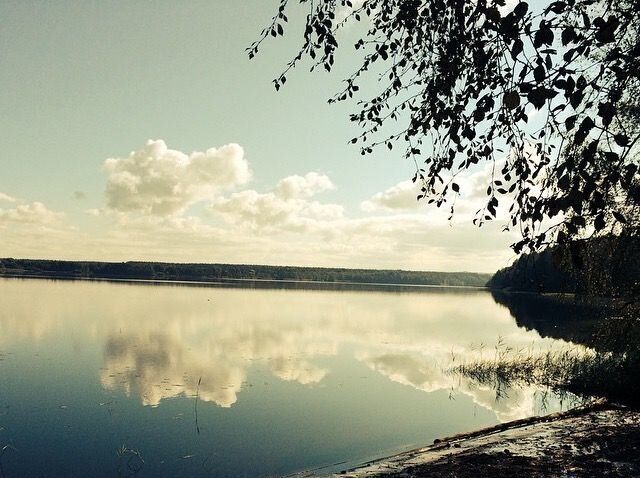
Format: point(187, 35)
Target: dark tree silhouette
point(599, 267)
point(458, 82)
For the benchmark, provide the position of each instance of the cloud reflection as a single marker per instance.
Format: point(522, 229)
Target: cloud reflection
point(424, 374)
point(156, 342)
point(157, 366)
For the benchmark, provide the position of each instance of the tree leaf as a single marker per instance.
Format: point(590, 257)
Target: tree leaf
point(511, 100)
point(621, 139)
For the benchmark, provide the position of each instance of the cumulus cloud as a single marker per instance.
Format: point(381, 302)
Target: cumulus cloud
point(404, 195)
point(34, 213)
point(147, 217)
point(303, 186)
point(287, 206)
point(160, 181)
point(259, 227)
point(34, 230)
point(400, 196)
point(6, 198)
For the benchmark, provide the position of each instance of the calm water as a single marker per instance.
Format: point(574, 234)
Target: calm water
point(96, 376)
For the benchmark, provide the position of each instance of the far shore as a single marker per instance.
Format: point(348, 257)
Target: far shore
point(246, 282)
point(217, 273)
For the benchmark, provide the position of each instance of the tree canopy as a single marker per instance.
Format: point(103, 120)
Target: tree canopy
point(546, 95)
point(598, 267)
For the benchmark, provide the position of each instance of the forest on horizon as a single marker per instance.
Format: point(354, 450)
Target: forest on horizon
point(209, 272)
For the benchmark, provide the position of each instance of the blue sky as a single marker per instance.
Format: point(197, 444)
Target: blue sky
point(83, 82)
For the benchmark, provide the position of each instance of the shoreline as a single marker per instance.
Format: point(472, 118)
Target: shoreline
point(532, 446)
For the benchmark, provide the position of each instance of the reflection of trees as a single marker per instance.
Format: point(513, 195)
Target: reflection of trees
point(608, 370)
point(555, 317)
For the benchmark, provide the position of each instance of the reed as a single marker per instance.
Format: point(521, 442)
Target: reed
point(612, 375)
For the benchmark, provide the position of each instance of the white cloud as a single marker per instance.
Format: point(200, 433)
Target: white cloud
point(160, 181)
point(6, 198)
point(146, 218)
point(34, 213)
point(400, 196)
point(285, 226)
point(303, 186)
point(34, 230)
point(286, 207)
point(407, 242)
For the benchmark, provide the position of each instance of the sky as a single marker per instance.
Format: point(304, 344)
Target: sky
point(140, 130)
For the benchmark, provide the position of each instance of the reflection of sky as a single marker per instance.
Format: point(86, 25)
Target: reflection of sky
point(157, 342)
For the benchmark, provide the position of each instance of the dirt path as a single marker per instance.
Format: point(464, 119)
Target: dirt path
point(601, 440)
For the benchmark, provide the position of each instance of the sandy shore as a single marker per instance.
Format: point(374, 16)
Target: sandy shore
point(600, 440)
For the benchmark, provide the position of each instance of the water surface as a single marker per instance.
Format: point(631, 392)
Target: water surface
point(115, 379)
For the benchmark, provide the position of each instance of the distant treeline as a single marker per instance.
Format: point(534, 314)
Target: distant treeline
point(213, 272)
point(606, 267)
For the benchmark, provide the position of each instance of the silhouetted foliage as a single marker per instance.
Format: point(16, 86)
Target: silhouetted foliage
point(213, 272)
point(605, 267)
point(548, 98)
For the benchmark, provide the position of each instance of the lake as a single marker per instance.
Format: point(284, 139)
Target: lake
point(121, 379)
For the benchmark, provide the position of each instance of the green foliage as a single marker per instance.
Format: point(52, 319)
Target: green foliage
point(458, 83)
point(213, 272)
